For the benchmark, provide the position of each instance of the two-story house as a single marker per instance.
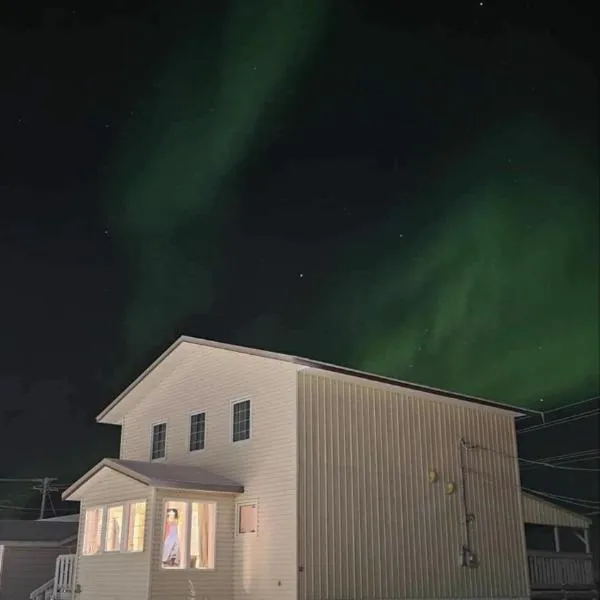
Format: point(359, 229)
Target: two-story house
point(250, 475)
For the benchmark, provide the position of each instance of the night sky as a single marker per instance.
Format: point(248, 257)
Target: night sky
point(411, 191)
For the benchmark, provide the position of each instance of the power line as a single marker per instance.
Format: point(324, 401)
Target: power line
point(561, 421)
point(584, 456)
point(580, 502)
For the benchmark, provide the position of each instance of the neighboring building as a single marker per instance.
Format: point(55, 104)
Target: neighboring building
point(251, 475)
point(28, 555)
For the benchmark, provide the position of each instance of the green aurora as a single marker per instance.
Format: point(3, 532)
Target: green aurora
point(493, 292)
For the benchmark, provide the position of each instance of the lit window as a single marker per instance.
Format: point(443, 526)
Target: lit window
point(136, 527)
point(159, 441)
point(92, 531)
point(202, 542)
point(114, 529)
point(174, 538)
point(197, 431)
point(241, 421)
point(247, 518)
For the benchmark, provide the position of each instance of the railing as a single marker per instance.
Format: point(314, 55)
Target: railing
point(44, 592)
point(560, 570)
point(64, 574)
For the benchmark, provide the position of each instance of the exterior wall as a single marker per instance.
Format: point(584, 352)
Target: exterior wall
point(538, 512)
point(371, 525)
point(25, 568)
point(174, 584)
point(209, 379)
point(120, 575)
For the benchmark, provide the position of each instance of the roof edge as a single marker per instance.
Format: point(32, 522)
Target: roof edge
point(305, 362)
point(543, 500)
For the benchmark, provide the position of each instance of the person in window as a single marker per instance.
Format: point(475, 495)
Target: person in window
point(171, 556)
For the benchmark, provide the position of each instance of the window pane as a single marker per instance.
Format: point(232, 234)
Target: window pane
point(248, 518)
point(202, 543)
point(137, 527)
point(159, 441)
point(241, 421)
point(114, 529)
point(197, 431)
point(92, 531)
point(174, 542)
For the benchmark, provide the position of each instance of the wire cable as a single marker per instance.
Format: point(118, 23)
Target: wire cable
point(561, 421)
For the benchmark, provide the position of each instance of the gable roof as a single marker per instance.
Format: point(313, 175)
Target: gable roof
point(539, 511)
point(42, 533)
point(163, 475)
point(303, 363)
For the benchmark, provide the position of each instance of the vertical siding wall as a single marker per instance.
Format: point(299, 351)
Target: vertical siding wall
point(114, 576)
point(174, 584)
point(209, 379)
point(370, 523)
point(26, 568)
point(539, 512)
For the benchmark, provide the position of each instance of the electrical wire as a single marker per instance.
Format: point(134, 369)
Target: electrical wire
point(567, 458)
point(580, 502)
point(561, 421)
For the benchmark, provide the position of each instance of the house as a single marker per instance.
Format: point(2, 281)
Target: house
point(28, 555)
point(251, 475)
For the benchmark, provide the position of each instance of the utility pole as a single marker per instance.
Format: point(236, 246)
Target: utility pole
point(45, 488)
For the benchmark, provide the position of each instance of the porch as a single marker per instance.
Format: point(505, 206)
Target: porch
point(60, 587)
point(565, 574)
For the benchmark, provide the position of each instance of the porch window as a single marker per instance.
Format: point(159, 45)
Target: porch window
point(159, 441)
point(197, 431)
point(92, 531)
point(247, 518)
point(241, 420)
point(114, 529)
point(136, 527)
point(189, 535)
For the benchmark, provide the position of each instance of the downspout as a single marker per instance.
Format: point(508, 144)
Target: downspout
point(467, 555)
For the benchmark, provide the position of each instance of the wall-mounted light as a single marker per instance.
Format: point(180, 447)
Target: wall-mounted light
point(432, 476)
point(450, 487)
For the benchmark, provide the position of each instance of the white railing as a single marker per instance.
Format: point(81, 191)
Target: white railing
point(64, 574)
point(44, 592)
point(559, 570)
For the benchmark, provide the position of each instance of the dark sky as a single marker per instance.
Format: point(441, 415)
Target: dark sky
point(404, 188)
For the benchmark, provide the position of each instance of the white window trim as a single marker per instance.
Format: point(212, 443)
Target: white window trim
point(127, 508)
point(189, 430)
point(188, 533)
point(232, 404)
point(107, 507)
point(126, 504)
point(238, 507)
point(151, 437)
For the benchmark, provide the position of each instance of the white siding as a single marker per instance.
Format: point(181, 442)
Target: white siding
point(25, 568)
point(371, 525)
point(209, 379)
point(539, 512)
point(174, 584)
point(115, 576)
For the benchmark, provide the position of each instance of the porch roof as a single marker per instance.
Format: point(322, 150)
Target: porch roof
point(162, 475)
point(36, 533)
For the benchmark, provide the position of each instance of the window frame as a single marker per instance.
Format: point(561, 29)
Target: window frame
point(107, 507)
point(188, 533)
point(233, 403)
point(123, 549)
point(152, 426)
point(102, 508)
point(238, 513)
point(189, 436)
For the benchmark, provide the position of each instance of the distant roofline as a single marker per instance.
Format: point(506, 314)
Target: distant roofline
point(315, 364)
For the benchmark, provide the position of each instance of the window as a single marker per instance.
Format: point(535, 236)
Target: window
point(159, 441)
point(92, 531)
point(199, 520)
point(247, 518)
point(114, 529)
point(136, 527)
point(241, 421)
point(197, 431)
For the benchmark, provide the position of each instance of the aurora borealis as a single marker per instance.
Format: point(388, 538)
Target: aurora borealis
point(412, 194)
point(478, 274)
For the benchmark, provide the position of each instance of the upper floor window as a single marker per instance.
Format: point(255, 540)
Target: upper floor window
point(197, 431)
point(159, 441)
point(241, 420)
